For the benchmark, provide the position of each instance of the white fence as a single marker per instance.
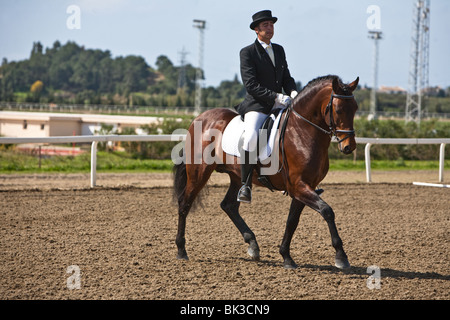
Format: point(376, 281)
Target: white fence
point(179, 137)
point(95, 140)
point(371, 141)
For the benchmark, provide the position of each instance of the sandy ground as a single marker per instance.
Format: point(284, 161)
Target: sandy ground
point(121, 239)
point(144, 180)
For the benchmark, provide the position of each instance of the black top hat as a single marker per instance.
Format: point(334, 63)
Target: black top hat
point(262, 16)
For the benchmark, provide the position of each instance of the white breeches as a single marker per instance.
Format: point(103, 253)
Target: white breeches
point(252, 122)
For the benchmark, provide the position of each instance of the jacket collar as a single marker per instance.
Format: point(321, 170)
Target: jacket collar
point(264, 53)
point(263, 44)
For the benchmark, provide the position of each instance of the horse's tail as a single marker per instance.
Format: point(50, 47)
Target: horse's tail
point(179, 187)
point(179, 181)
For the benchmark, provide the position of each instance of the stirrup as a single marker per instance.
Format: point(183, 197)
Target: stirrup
point(319, 191)
point(245, 198)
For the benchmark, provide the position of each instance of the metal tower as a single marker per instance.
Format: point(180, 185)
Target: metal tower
point(376, 36)
point(419, 61)
point(201, 25)
point(182, 74)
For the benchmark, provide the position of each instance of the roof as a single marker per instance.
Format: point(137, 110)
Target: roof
point(91, 118)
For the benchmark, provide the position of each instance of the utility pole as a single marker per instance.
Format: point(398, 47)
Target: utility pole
point(200, 25)
point(419, 61)
point(376, 36)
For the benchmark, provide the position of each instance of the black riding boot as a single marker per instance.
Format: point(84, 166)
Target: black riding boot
point(245, 193)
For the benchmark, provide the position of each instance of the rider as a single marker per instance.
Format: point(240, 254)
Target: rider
point(265, 75)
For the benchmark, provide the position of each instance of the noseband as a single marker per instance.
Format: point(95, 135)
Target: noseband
point(332, 126)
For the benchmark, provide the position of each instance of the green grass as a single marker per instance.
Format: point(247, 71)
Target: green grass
point(348, 165)
point(15, 162)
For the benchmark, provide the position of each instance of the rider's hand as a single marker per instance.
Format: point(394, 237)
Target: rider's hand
point(293, 94)
point(282, 100)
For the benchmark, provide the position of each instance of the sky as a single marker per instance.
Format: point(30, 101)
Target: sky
point(320, 37)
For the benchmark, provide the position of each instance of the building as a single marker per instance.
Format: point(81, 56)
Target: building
point(392, 90)
point(36, 124)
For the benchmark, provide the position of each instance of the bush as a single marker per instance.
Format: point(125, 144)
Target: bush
point(155, 150)
point(398, 129)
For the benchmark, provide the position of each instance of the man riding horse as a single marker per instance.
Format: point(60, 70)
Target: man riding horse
point(265, 75)
point(326, 107)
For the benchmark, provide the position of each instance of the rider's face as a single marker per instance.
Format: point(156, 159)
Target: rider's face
point(265, 31)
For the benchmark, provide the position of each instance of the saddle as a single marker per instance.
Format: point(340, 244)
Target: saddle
point(266, 140)
point(232, 142)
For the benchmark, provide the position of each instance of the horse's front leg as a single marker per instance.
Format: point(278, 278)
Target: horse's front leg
point(309, 197)
point(291, 225)
point(341, 260)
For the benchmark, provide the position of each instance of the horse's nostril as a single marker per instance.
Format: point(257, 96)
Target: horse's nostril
point(347, 150)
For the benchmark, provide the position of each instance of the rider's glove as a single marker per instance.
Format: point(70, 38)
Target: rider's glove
point(293, 94)
point(282, 100)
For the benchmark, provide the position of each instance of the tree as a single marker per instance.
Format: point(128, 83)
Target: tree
point(37, 48)
point(36, 89)
point(231, 92)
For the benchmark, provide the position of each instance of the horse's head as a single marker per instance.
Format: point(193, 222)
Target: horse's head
point(340, 112)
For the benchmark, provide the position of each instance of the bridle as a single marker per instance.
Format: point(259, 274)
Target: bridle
point(332, 126)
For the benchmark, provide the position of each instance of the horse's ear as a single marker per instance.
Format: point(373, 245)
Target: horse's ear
point(336, 87)
point(354, 84)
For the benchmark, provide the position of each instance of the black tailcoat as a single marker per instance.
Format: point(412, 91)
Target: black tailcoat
point(262, 79)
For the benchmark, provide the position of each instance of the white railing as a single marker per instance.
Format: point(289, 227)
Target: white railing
point(95, 140)
point(371, 141)
point(179, 137)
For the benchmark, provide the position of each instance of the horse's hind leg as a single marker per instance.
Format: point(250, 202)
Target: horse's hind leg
point(231, 206)
point(189, 180)
point(291, 225)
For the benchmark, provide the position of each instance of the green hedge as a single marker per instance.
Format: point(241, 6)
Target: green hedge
point(363, 127)
point(398, 129)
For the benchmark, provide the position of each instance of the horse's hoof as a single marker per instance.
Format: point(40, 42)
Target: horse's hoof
point(342, 264)
point(292, 265)
point(253, 253)
point(182, 256)
point(289, 264)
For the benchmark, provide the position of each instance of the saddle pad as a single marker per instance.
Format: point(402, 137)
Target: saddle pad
point(233, 133)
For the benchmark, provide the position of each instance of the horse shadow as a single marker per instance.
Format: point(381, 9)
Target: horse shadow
point(353, 270)
point(385, 272)
point(359, 271)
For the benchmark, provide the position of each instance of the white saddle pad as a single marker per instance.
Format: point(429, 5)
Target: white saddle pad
point(233, 133)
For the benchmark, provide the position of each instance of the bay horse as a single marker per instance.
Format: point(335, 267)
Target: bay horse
point(325, 107)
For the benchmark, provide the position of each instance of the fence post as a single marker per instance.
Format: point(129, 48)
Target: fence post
point(367, 156)
point(441, 162)
point(94, 163)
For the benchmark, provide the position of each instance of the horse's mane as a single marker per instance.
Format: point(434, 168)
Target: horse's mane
point(318, 83)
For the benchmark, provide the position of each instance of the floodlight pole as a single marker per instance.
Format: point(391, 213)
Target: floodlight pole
point(200, 25)
point(376, 36)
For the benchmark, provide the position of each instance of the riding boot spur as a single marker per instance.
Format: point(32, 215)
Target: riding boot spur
point(245, 193)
